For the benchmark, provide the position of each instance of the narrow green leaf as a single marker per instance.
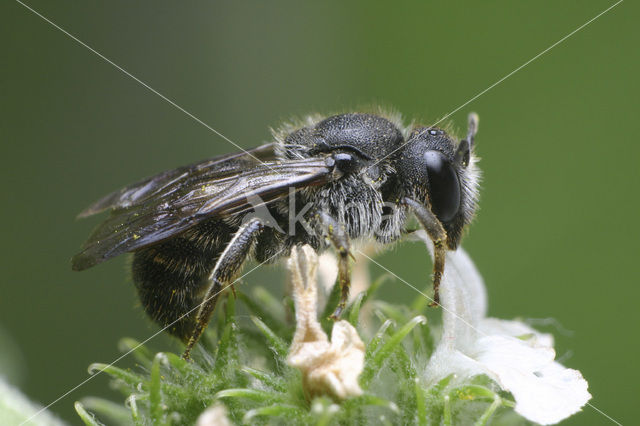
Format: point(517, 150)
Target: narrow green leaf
point(421, 403)
point(140, 352)
point(182, 366)
point(396, 339)
point(375, 363)
point(278, 345)
point(252, 394)
point(227, 349)
point(133, 406)
point(472, 392)
point(354, 309)
point(435, 399)
point(112, 412)
point(268, 379)
point(282, 411)
point(486, 416)
point(368, 399)
point(128, 377)
point(259, 311)
point(377, 339)
point(87, 418)
point(447, 416)
point(230, 309)
point(155, 390)
point(437, 389)
point(423, 340)
point(329, 307)
point(373, 288)
point(270, 304)
point(398, 314)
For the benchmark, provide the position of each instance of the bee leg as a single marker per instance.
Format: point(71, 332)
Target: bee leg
point(340, 241)
point(221, 277)
point(233, 290)
point(438, 235)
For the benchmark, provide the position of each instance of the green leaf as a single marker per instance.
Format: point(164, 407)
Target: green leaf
point(140, 352)
point(112, 412)
point(227, 348)
point(368, 399)
point(182, 366)
point(435, 399)
point(447, 417)
point(421, 403)
point(373, 288)
point(472, 392)
point(283, 411)
point(353, 311)
point(258, 310)
point(271, 380)
point(486, 416)
point(132, 402)
point(155, 391)
point(127, 377)
point(278, 345)
point(376, 362)
point(398, 314)
point(272, 306)
point(87, 418)
point(377, 339)
point(252, 394)
point(332, 301)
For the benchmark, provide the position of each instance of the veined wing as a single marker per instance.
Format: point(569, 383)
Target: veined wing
point(201, 195)
point(165, 182)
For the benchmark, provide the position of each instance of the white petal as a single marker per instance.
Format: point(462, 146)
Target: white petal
point(446, 361)
point(545, 391)
point(513, 328)
point(463, 296)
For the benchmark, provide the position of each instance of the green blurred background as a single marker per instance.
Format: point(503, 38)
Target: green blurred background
point(555, 238)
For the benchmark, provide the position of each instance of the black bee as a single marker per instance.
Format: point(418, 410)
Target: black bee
point(323, 182)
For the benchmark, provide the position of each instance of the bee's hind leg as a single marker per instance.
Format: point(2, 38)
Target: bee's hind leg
point(221, 277)
point(340, 241)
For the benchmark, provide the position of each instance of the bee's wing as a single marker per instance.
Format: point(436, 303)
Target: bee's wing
point(200, 195)
point(165, 182)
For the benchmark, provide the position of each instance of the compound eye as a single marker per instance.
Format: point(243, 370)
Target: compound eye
point(444, 187)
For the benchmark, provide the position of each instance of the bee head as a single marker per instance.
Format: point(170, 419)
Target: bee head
point(440, 172)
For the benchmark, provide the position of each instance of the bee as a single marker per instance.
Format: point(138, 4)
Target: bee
point(324, 182)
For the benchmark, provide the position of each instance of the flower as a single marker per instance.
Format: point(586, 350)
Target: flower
point(517, 357)
point(328, 367)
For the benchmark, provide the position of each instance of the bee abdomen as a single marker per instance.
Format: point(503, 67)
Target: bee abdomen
point(170, 278)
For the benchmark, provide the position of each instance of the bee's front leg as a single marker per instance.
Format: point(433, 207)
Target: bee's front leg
point(338, 236)
point(227, 266)
point(438, 235)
